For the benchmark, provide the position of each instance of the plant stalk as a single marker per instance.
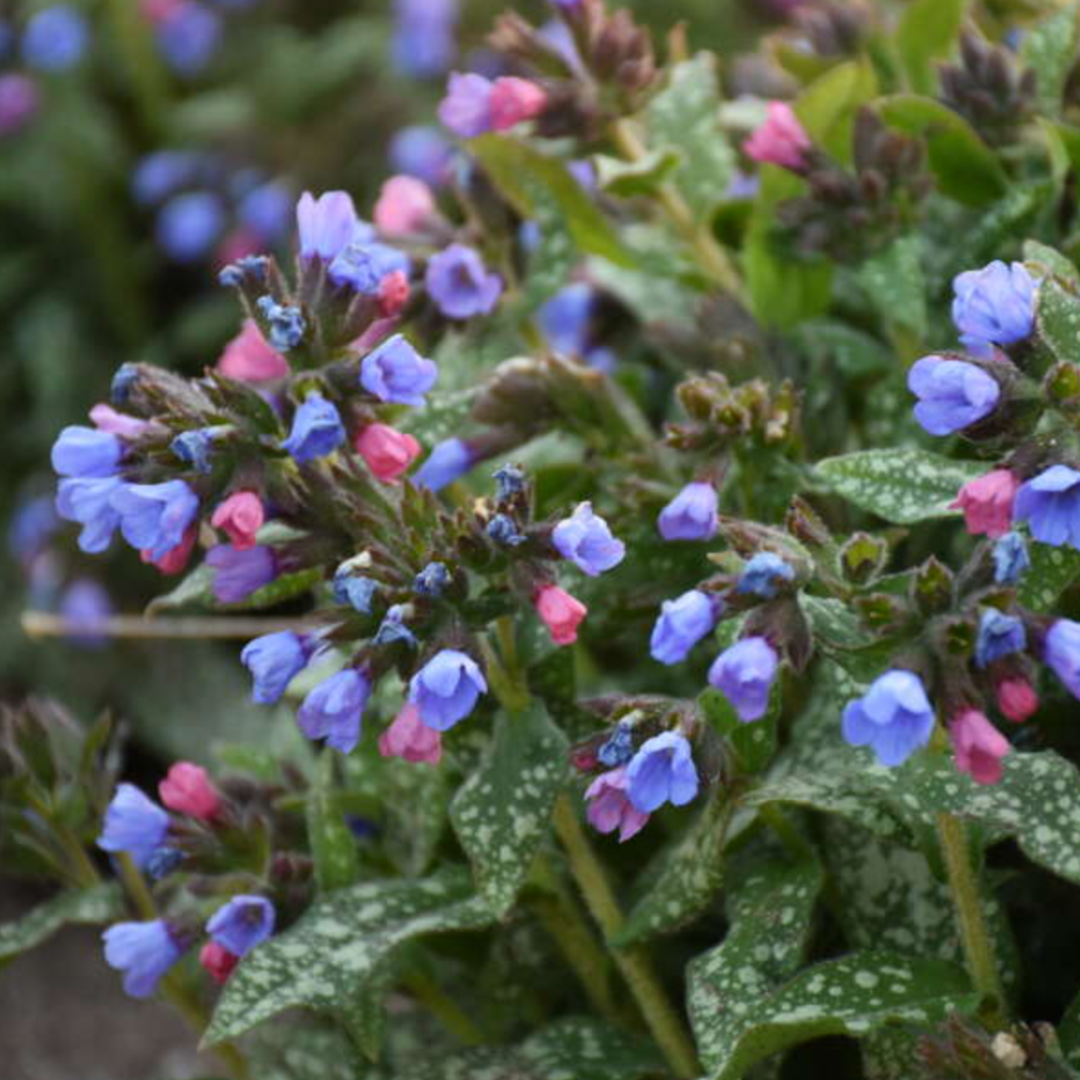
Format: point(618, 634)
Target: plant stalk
point(443, 1008)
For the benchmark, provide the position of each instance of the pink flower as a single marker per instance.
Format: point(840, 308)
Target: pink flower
point(514, 100)
point(561, 613)
point(106, 418)
point(404, 206)
point(988, 503)
point(393, 294)
point(610, 809)
point(173, 561)
point(249, 358)
point(236, 245)
point(781, 140)
point(188, 790)
point(1016, 698)
point(978, 745)
point(218, 961)
point(388, 453)
point(410, 738)
point(241, 516)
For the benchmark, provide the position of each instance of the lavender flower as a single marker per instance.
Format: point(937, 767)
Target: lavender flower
point(242, 923)
point(1062, 653)
point(953, 394)
point(143, 951)
point(316, 430)
point(333, 709)
point(134, 824)
point(691, 515)
point(86, 453)
point(423, 43)
point(999, 635)
point(662, 771)
point(744, 674)
point(683, 622)
point(422, 152)
point(154, 517)
point(240, 572)
point(55, 38)
point(764, 574)
point(586, 540)
point(895, 717)
point(286, 325)
point(364, 266)
point(274, 660)
point(327, 225)
point(460, 285)
point(466, 109)
point(189, 225)
point(446, 689)
point(448, 461)
point(89, 502)
point(994, 305)
point(396, 372)
point(1050, 504)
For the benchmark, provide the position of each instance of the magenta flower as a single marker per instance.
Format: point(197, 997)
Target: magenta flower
point(781, 140)
point(610, 808)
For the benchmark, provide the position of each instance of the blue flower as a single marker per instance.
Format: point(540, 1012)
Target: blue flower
point(1062, 653)
point(999, 635)
point(143, 951)
point(31, 527)
point(124, 378)
point(691, 515)
point(248, 270)
point(396, 372)
point(134, 823)
point(242, 923)
point(446, 688)
point(189, 225)
point(1011, 559)
point(86, 452)
point(994, 305)
point(327, 225)
point(55, 38)
point(953, 394)
point(619, 748)
point(162, 862)
point(362, 267)
point(188, 37)
point(393, 629)
point(423, 152)
point(355, 590)
point(89, 502)
point(662, 771)
point(240, 571)
point(502, 530)
point(764, 574)
point(159, 174)
point(744, 674)
point(332, 710)
point(274, 660)
point(316, 430)
point(85, 605)
point(586, 540)
point(266, 210)
point(448, 461)
point(286, 325)
point(423, 43)
point(566, 319)
point(154, 517)
point(460, 285)
point(683, 622)
point(193, 448)
point(895, 717)
point(1050, 504)
point(432, 580)
point(509, 481)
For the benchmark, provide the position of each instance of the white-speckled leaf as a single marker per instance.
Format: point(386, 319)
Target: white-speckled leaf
point(501, 813)
point(100, 904)
point(1049, 49)
point(895, 282)
point(333, 846)
point(903, 486)
point(1044, 261)
point(339, 946)
point(1058, 315)
point(1053, 570)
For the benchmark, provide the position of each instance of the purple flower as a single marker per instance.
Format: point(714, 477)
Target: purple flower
point(422, 152)
point(316, 430)
point(355, 590)
point(18, 101)
point(143, 951)
point(266, 210)
point(189, 225)
point(662, 771)
point(744, 674)
point(240, 572)
point(691, 515)
point(423, 43)
point(953, 394)
point(466, 109)
point(242, 923)
point(134, 823)
point(764, 574)
point(586, 540)
point(396, 372)
point(85, 604)
point(154, 517)
point(566, 319)
point(55, 38)
point(274, 660)
point(86, 452)
point(1011, 559)
point(332, 711)
point(1062, 653)
point(445, 689)
point(895, 717)
point(327, 225)
point(447, 461)
point(682, 624)
point(999, 635)
point(188, 36)
point(610, 809)
point(460, 285)
point(31, 527)
point(432, 580)
point(89, 502)
point(994, 305)
point(1050, 504)
point(364, 266)
point(159, 174)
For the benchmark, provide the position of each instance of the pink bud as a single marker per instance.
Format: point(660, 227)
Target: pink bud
point(404, 206)
point(1016, 698)
point(514, 100)
point(248, 357)
point(410, 738)
point(218, 961)
point(988, 503)
point(106, 418)
point(241, 515)
point(610, 809)
point(236, 245)
point(781, 140)
point(388, 453)
point(393, 294)
point(978, 745)
point(188, 790)
point(561, 613)
point(172, 562)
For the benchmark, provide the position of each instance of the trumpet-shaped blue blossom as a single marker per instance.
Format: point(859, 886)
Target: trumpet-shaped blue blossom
point(423, 152)
point(764, 575)
point(448, 460)
point(55, 38)
point(691, 515)
point(662, 771)
point(89, 503)
point(193, 448)
point(1062, 653)
point(953, 394)
point(144, 952)
point(189, 225)
point(446, 689)
point(154, 517)
point(238, 572)
point(188, 36)
point(1050, 504)
point(994, 305)
point(363, 266)
point(999, 635)
point(744, 674)
point(683, 622)
point(316, 430)
point(432, 580)
point(396, 372)
point(895, 717)
point(586, 540)
point(1011, 559)
point(134, 824)
point(274, 660)
point(327, 225)
point(423, 44)
point(242, 923)
point(333, 709)
point(460, 285)
point(354, 589)
point(86, 452)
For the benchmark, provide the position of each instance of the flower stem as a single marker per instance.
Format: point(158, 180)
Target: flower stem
point(666, 1025)
point(970, 916)
point(45, 624)
point(443, 1008)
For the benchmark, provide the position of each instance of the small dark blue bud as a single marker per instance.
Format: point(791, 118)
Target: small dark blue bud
point(122, 381)
point(510, 480)
point(163, 861)
point(432, 579)
point(502, 530)
point(619, 748)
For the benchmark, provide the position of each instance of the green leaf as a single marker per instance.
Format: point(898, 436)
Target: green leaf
point(628, 178)
point(1058, 315)
point(443, 414)
point(896, 284)
point(965, 167)
point(853, 995)
point(194, 590)
point(754, 742)
point(1048, 261)
point(501, 813)
point(1049, 49)
point(684, 123)
point(333, 846)
point(1053, 570)
point(286, 587)
point(340, 946)
point(903, 486)
point(828, 105)
point(771, 916)
point(783, 291)
point(928, 31)
point(93, 906)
